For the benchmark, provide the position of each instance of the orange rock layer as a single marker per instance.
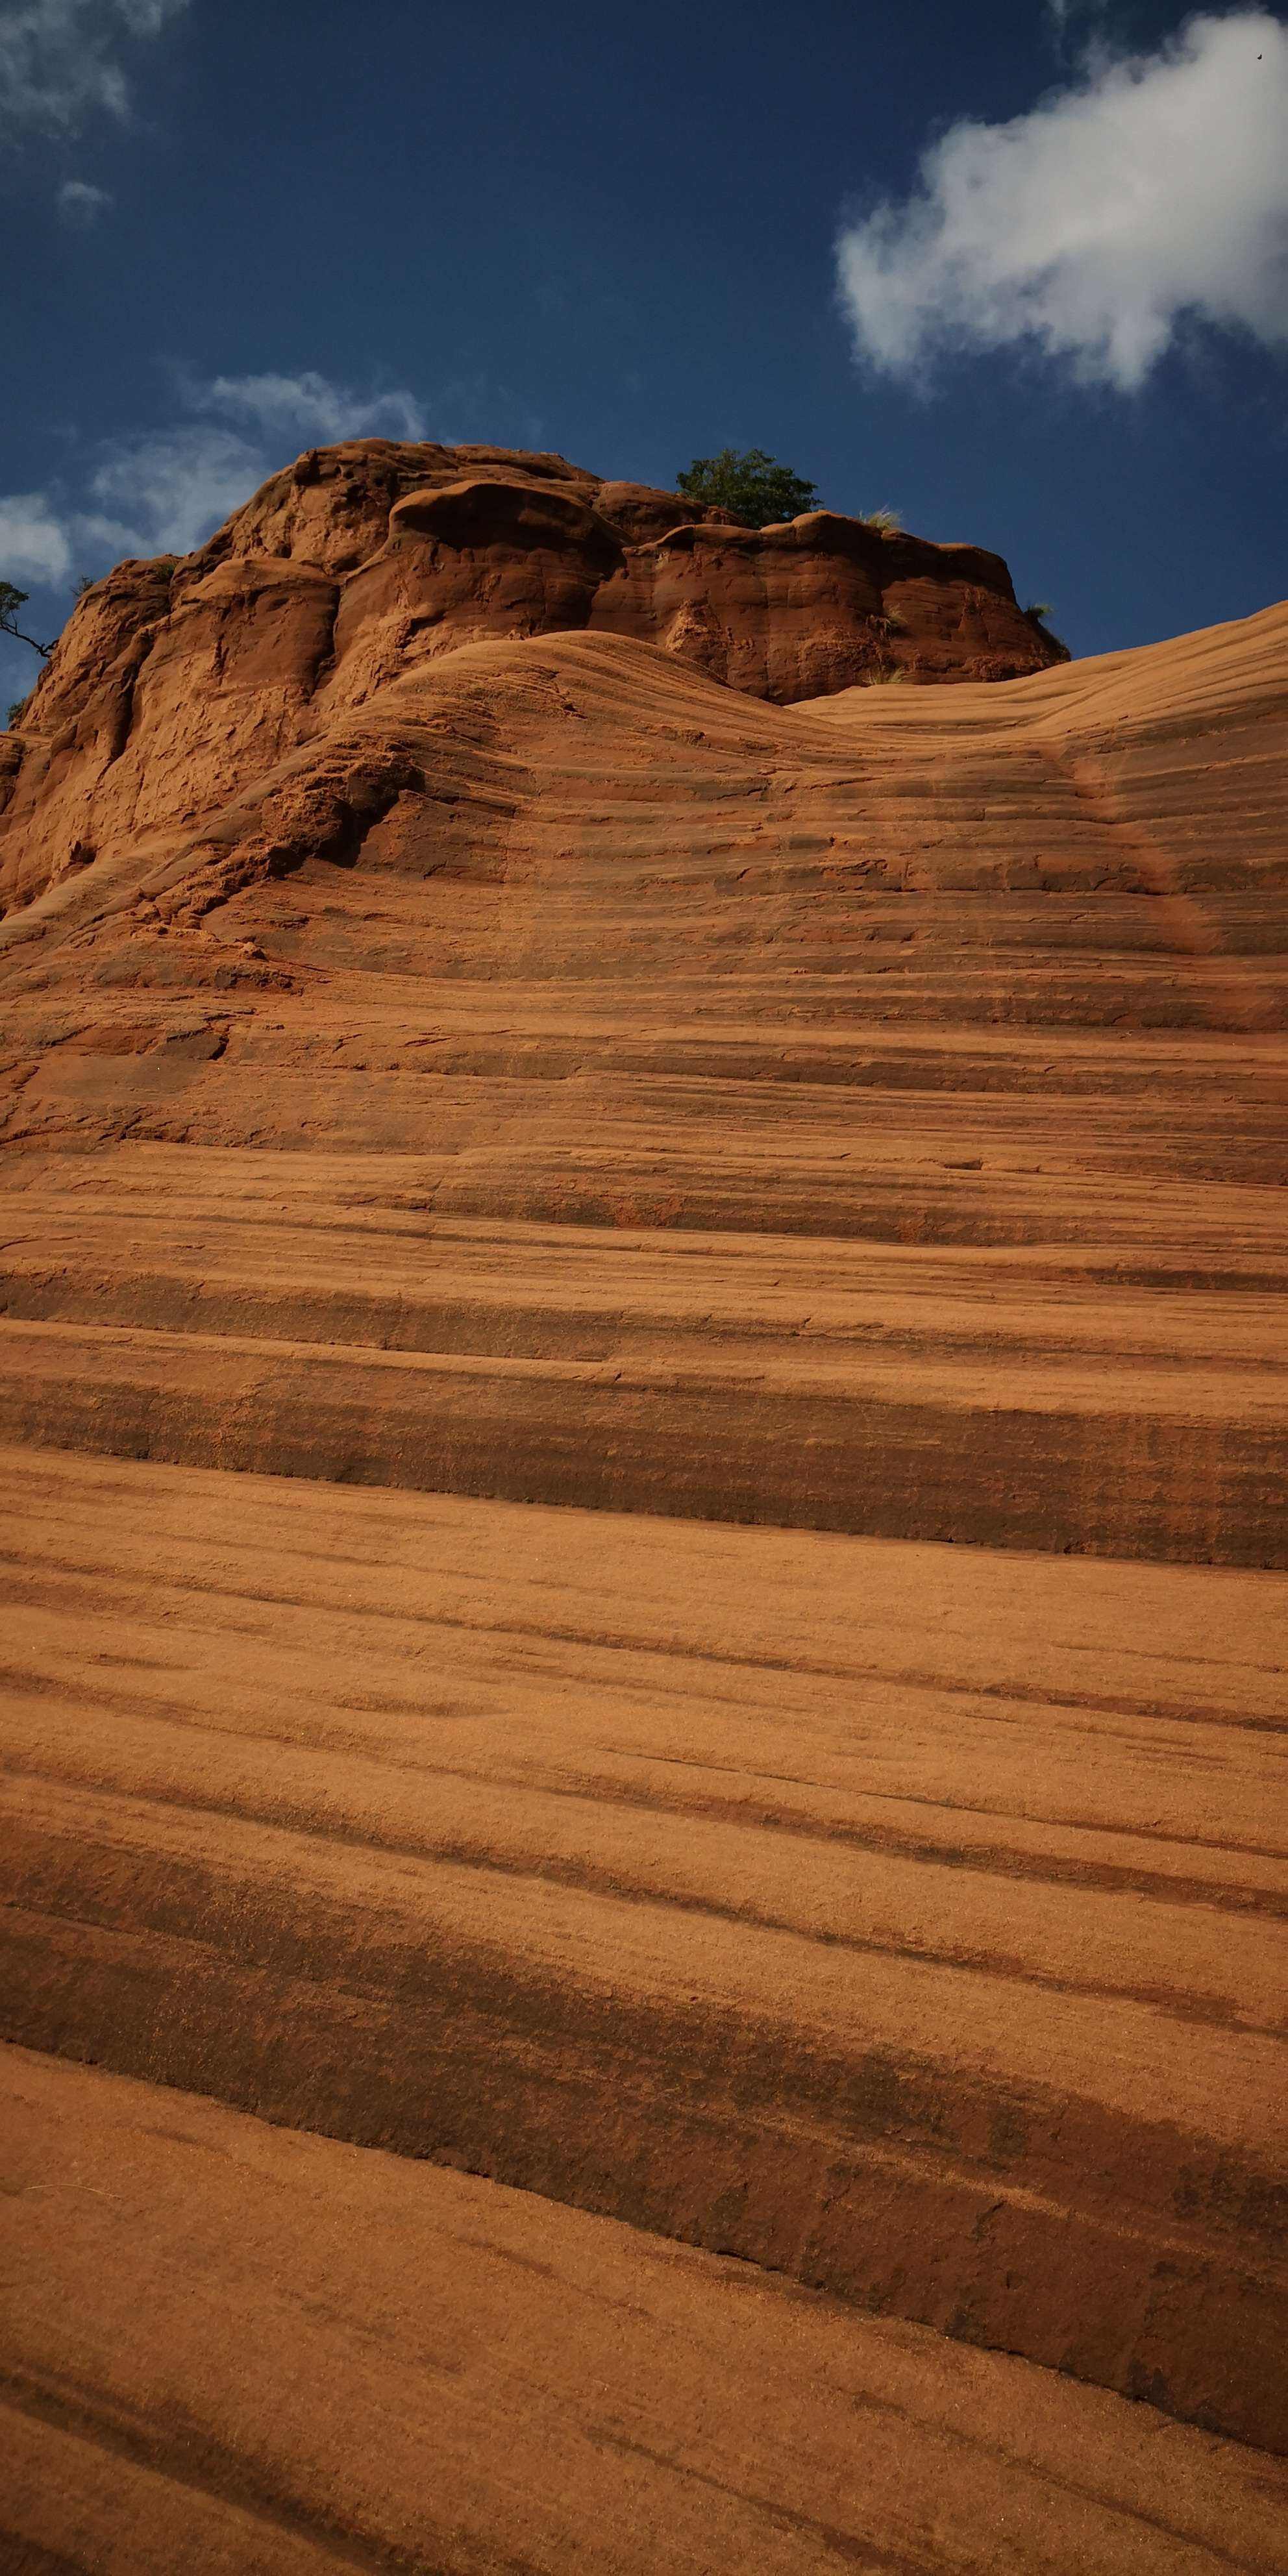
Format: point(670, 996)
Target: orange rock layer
point(644, 1378)
point(174, 680)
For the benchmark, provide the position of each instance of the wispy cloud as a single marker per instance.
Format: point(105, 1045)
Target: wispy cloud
point(60, 60)
point(1064, 15)
point(34, 545)
point(161, 491)
point(80, 203)
point(1146, 195)
point(308, 406)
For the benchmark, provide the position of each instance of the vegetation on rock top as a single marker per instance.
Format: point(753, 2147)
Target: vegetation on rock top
point(749, 484)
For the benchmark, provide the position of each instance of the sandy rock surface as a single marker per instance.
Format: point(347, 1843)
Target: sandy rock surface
point(298, 2356)
point(645, 1396)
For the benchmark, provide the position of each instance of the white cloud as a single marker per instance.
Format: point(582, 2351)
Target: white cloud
point(58, 60)
point(148, 17)
point(1064, 14)
point(162, 491)
point(33, 543)
point(1151, 193)
point(81, 203)
point(309, 406)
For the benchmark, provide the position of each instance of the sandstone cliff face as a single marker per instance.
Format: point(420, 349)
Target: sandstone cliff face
point(175, 681)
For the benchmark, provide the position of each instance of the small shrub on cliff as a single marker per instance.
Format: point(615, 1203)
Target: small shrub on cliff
point(883, 523)
point(11, 600)
point(752, 486)
point(1037, 613)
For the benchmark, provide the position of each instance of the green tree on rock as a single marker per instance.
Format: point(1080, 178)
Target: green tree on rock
point(750, 485)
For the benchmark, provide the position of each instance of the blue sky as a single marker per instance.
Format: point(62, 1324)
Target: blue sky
point(238, 227)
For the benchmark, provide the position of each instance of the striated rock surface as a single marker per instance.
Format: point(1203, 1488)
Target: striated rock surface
point(176, 681)
point(643, 1371)
point(246, 2350)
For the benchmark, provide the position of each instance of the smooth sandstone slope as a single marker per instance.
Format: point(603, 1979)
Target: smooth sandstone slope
point(350, 2360)
point(575, 1082)
point(563, 1081)
point(175, 680)
point(906, 1920)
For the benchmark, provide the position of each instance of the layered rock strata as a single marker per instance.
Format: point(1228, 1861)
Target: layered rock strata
point(560, 1113)
point(905, 1920)
point(354, 2360)
point(175, 680)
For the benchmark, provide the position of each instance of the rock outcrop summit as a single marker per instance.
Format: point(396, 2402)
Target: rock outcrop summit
point(175, 678)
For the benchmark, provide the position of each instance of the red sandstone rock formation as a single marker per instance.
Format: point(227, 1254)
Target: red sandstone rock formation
point(174, 681)
point(478, 1141)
